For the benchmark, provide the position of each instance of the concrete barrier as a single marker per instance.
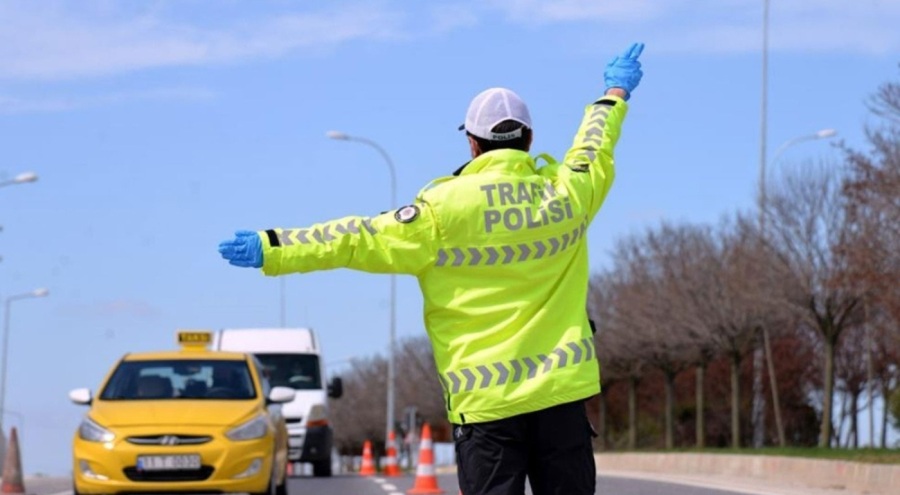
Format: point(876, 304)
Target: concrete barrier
point(828, 474)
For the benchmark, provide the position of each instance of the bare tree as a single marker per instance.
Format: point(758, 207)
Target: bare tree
point(885, 365)
point(359, 415)
point(620, 356)
point(645, 307)
point(687, 258)
point(734, 310)
point(417, 379)
point(807, 218)
point(872, 190)
point(664, 306)
point(600, 305)
point(851, 373)
point(656, 295)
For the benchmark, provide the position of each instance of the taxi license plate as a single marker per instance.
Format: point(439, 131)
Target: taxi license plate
point(167, 462)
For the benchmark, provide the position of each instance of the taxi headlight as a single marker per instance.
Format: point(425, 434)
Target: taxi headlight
point(255, 428)
point(93, 432)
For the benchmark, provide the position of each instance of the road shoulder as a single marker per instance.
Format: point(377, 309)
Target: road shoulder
point(756, 475)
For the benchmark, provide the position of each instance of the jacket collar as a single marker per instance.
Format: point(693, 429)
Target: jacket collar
point(506, 160)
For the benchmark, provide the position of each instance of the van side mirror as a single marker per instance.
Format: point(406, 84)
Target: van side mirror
point(336, 388)
point(81, 396)
point(280, 395)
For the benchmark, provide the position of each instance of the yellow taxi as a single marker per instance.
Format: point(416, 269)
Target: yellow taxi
point(182, 421)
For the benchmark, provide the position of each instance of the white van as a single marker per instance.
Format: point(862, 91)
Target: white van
point(291, 357)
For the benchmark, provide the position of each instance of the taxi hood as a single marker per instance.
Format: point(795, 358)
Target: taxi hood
point(174, 412)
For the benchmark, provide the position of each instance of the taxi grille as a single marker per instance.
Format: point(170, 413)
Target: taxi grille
point(180, 492)
point(169, 440)
point(169, 475)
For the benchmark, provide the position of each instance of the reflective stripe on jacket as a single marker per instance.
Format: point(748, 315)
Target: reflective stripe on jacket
point(501, 257)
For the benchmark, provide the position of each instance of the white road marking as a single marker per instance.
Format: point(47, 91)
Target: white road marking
point(388, 487)
point(67, 492)
point(379, 480)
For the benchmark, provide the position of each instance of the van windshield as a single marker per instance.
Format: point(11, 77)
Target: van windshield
point(297, 371)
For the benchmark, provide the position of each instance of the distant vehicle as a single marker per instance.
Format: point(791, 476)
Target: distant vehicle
point(292, 357)
point(182, 421)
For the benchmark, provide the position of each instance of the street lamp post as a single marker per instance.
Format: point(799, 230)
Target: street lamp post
point(393, 318)
point(282, 316)
point(22, 178)
point(757, 418)
point(6, 319)
point(759, 401)
point(823, 134)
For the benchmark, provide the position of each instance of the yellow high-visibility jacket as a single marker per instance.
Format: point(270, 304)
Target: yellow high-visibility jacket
point(501, 257)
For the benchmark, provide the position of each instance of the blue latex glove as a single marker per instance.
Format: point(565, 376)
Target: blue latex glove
point(244, 250)
point(624, 71)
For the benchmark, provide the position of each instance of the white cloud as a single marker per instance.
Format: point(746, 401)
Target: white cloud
point(448, 18)
point(550, 11)
point(55, 40)
point(726, 26)
point(50, 43)
point(19, 105)
point(141, 310)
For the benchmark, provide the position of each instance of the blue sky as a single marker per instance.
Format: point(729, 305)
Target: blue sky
point(158, 128)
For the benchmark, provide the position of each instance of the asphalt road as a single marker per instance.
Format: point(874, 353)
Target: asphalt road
point(349, 484)
point(355, 485)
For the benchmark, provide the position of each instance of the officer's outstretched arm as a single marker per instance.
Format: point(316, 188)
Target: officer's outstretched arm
point(589, 165)
point(400, 241)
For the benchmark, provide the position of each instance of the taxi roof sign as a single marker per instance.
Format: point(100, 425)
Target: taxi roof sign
point(194, 338)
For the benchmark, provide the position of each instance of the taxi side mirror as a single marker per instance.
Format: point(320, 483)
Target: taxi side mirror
point(336, 388)
point(81, 396)
point(280, 395)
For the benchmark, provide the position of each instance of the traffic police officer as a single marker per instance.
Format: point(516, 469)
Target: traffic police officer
point(500, 252)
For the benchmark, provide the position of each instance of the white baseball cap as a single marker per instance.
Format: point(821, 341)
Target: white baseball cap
point(491, 107)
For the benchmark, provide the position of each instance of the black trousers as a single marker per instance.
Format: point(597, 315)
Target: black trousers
point(551, 447)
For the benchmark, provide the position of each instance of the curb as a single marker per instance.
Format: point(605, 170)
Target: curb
point(813, 473)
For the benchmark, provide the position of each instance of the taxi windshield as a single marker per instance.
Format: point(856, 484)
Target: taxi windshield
point(180, 379)
point(297, 371)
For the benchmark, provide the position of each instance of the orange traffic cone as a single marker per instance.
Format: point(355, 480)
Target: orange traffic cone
point(390, 464)
point(368, 464)
point(426, 480)
point(12, 467)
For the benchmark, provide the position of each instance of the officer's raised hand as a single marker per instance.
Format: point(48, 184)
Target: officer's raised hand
point(244, 250)
point(624, 71)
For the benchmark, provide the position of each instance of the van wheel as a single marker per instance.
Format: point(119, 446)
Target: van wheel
point(322, 469)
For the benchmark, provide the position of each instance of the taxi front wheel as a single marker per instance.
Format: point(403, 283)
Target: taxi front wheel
point(270, 488)
point(274, 489)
